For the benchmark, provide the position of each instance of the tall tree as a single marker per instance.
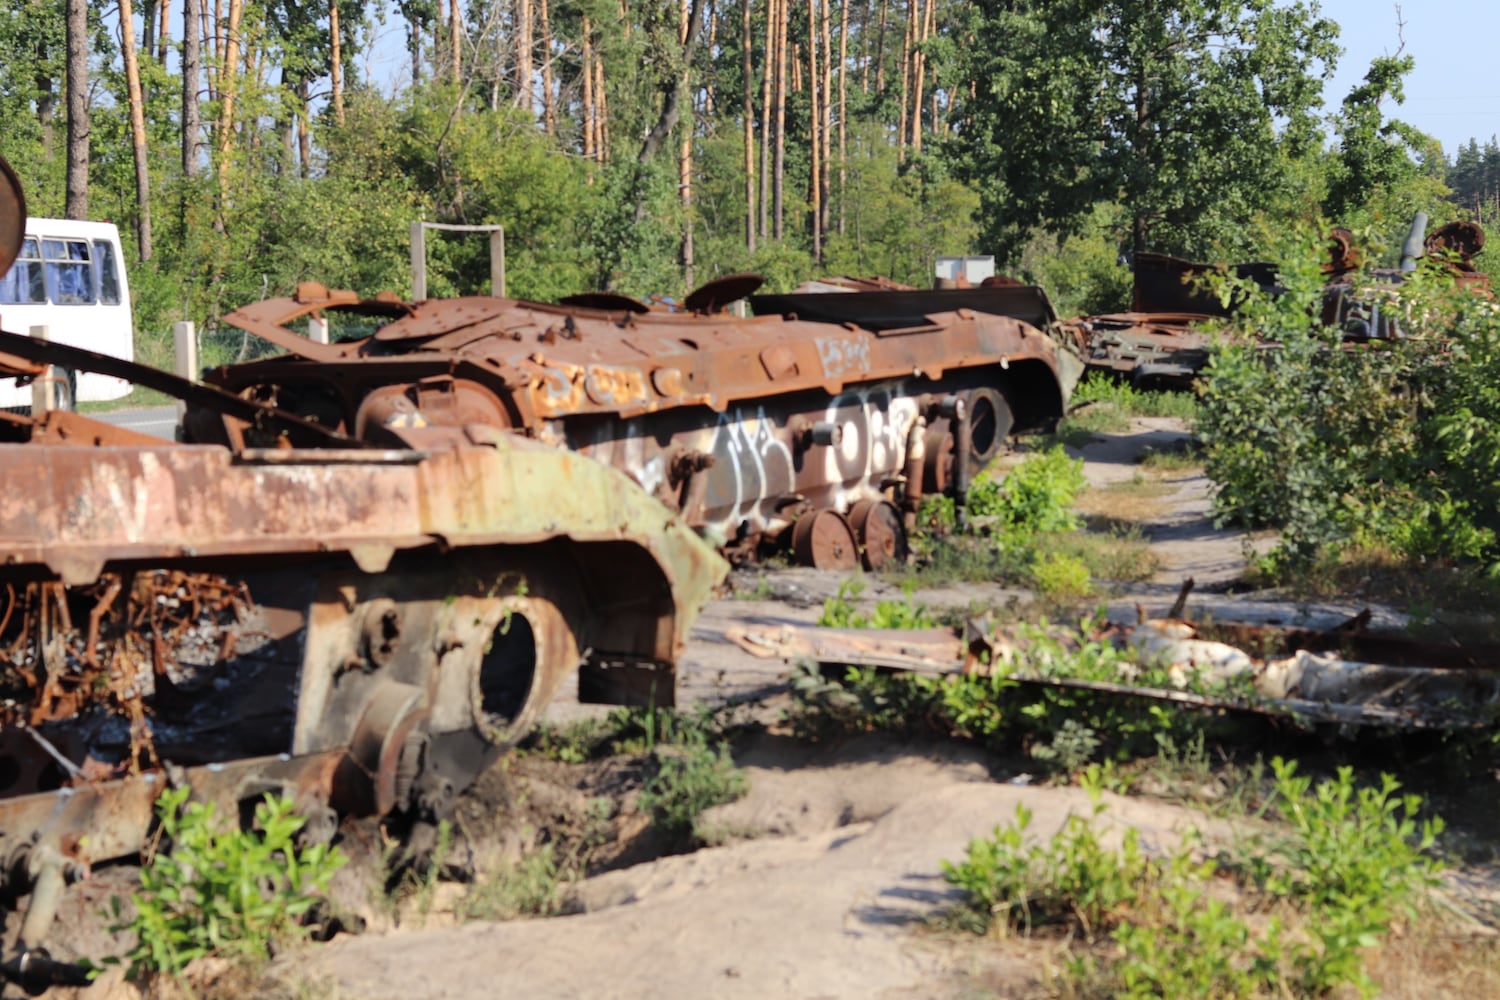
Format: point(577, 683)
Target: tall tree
point(77, 206)
point(1179, 109)
point(1374, 152)
point(137, 128)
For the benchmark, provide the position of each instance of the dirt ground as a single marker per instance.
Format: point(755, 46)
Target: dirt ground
point(830, 871)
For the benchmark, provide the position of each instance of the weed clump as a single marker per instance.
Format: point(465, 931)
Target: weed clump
point(1350, 863)
point(227, 892)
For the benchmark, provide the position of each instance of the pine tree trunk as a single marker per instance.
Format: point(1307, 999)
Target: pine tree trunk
point(137, 130)
point(814, 123)
point(843, 108)
point(192, 73)
point(778, 183)
point(78, 109)
point(304, 137)
point(590, 114)
point(164, 31)
point(336, 61)
point(769, 62)
point(685, 157)
point(880, 48)
point(228, 87)
point(825, 199)
point(747, 116)
point(549, 102)
point(601, 98)
point(456, 41)
point(525, 98)
point(907, 39)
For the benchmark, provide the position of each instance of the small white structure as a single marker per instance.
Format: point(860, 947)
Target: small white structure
point(971, 269)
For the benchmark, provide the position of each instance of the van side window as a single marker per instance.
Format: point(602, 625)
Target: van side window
point(108, 272)
point(23, 285)
point(70, 278)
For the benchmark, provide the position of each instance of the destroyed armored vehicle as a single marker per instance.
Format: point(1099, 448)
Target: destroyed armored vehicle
point(821, 420)
point(1163, 340)
point(359, 626)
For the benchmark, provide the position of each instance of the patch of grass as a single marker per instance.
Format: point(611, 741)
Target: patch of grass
point(1350, 863)
point(1124, 398)
point(1134, 500)
point(840, 610)
point(1119, 554)
point(1188, 458)
point(629, 730)
point(688, 780)
point(529, 887)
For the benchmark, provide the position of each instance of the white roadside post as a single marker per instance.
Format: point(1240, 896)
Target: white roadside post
point(44, 386)
point(185, 349)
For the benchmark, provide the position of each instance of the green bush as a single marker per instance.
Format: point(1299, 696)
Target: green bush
point(839, 611)
point(1353, 859)
point(1392, 444)
point(688, 780)
point(234, 893)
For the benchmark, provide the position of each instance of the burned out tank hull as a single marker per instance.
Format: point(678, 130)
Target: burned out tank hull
point(822, 408)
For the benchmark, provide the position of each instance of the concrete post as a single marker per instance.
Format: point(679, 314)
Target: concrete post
point(44, 386)
point(185, 349)
point(317, 328)
point(418, 262)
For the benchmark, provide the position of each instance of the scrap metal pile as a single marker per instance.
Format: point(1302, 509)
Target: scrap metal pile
point(1164, 339)
point(362, 628)
point(1342, 676)
point(820, 422)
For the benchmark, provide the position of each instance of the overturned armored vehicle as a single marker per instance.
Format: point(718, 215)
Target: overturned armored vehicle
point(821, 420)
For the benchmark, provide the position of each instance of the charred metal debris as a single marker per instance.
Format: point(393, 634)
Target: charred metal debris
point(359, 625)
point(1163, 341)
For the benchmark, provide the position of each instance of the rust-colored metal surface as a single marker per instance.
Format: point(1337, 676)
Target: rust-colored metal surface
point(742, 425)
point(12, 216)
point(1161, 341)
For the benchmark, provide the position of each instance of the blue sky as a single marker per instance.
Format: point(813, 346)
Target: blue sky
point(1454, 92)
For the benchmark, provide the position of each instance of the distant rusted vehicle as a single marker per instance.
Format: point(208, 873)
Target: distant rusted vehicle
point(822, 420)
point(1162, 341)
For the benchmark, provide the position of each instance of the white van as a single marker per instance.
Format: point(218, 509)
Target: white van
point(70, 278)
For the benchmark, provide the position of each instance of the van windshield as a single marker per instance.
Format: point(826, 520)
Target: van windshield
point(22, 285)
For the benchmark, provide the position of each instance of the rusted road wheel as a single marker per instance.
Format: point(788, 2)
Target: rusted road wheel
point(882, 536)
point(824, 539)
point(990, 421)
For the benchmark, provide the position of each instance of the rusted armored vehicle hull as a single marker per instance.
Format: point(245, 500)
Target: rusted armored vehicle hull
point(823, 420)
point(362, 628)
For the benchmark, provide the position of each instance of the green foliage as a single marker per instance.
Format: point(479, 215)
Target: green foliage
point(238, 894)
point(1060, 576)
point(529, 887)
point(1131, 401)
point(1186, 113)
point(689, 779)
point(840, 610)
point(1353, 859)
point(1035, 497)
point(1389, 444)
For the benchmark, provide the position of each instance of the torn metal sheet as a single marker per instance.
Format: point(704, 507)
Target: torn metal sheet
point(1298, 675)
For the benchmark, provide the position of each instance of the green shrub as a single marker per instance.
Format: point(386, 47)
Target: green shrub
point(234, 893)
point(1061, 576)
point(529, 887)
point(839, 611)
point(1354, 858)
point(688, 780)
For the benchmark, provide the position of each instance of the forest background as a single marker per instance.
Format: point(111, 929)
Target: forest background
point(646, 146)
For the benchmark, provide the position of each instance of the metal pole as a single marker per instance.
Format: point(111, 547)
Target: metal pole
point(43, 387)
